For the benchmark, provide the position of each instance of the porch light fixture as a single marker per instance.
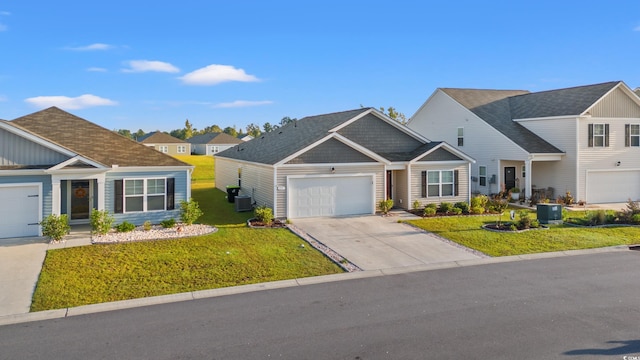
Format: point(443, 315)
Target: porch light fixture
point(333, 170)
point(618, 163)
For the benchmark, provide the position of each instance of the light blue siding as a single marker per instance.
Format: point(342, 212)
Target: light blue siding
point(138, 218)
point(15, 150)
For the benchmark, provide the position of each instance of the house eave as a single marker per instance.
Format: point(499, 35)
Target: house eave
point(546, 157)
point(560, 117)
point(116, 168)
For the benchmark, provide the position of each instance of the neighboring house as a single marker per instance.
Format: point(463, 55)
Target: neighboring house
point(212, 143)
point(166, 143)
point(343, 164)
point(584, 140)
point(53, 162)
point(246, 137)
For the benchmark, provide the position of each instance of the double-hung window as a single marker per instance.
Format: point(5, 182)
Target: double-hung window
point(182, 149)
point(632, 135)
point(482, 175)
point(438, 183)
point(144, 195)
point(598, 135)
point(460, 136)
point(164, 148)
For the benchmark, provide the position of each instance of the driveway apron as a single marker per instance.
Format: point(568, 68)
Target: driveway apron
point(374, 242)
point(20, 265)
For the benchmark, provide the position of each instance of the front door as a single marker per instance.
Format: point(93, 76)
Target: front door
point(509, 178)
point(80, 195)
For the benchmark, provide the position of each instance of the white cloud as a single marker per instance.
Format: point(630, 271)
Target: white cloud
point(242, 103)
point(215, 74)
point(69, 103)
point(3, 98)
point(92, 47)
point(6, 13)
point(148, 65)
point(97, 69)
point(637, 28)
point(3, 27)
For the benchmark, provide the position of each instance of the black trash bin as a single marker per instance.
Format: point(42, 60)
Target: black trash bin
point(232, 192)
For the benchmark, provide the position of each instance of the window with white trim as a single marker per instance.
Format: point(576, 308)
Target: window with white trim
point(524, 171)
point(460, 136)
point(632, 135)
point(482, 175)
point(598, 135)
point(440, 183)
point(163, 148)
point(144, 195)
point(182, 149)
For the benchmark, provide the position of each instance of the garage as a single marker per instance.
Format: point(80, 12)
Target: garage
point(613, 186)
point(20, 210)
point(330, 196)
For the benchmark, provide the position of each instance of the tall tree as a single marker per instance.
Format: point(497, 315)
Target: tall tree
point(138, 134)
point(394, 114)
point(231, 131)
point(286, 120)
point(211, 129)
point(268, 127)
point(177, 133)
point(125, 133)
point(188, 130)
point(253, 130)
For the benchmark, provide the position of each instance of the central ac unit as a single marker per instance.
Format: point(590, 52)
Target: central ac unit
point(243, 203)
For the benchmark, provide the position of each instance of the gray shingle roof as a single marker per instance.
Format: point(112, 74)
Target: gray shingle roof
point(274, 146)
point(498, 108)
point(90, 140)
point(214, 138)
point(158, 137)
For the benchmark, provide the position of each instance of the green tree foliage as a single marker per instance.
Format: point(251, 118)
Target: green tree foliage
point(188, 130)
point(268, 127)
point(231, 130)
point(125, 133)
point(286, 120)
point(394, 114)
point(55, 227)
point(253, 130)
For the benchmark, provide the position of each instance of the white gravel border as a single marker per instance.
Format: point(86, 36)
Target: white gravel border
point(157, 232)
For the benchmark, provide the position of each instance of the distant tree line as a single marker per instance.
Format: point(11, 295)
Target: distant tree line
point(255, 130)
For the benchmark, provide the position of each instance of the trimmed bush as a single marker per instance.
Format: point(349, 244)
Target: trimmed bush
point(125, 226)
point(456, 211)
point(189, 211)
point(462, 206)
point(55, 227)
point(445, 207)
point(635, 218)
point(479, 201)
point(101, 221)
point(432, 206)
point(147, 225)
point(429, 211)
point(476, 210)
point(416, 205)
point(385, 205)
point(264, 214)
point(168, 224)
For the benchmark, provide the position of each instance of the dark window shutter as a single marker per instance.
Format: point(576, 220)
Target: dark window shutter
point(455, 182)
point(590, 135)
point(171, 190)
point(627, 135)
point(606, 134)
point(118, 197)
point(424, 184)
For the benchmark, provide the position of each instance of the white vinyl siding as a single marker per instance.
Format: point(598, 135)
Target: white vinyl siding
point(257, 180)
point(417, 172)
point(632, 134)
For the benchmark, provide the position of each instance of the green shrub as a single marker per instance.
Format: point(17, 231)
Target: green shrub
point(264, 214)
point(125, 226)
point(168, 224)
point(462, 206)
point(55, 227)
point(416, 205)
point(456, 211)
point(476, 210)
point(525, 219)
point(189, 211)
point(147, 225)
point(635, 218)
point(432, 206)
point(445, 207)
point(429, 211)
point(479, 201)
point(101, 221)
point(385, 205)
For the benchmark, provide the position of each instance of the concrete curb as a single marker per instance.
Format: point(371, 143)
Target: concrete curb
point(203, 294)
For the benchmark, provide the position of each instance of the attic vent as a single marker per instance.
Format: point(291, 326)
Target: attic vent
point(280, 132)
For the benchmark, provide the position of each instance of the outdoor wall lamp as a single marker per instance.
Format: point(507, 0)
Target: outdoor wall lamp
point(333, 170)
point(618, 163)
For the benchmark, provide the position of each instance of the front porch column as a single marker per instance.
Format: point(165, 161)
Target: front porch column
point(527, 171)
point(55, 197)
point(101, 193)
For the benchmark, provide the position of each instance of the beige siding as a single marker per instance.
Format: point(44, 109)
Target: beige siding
point(285, 171)
point(481, 141)
point(617, 104)
point(172, 149)
point(416, 180)
point(256, 180)
point(559, 175)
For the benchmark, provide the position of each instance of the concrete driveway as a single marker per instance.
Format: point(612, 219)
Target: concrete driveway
point(374, 242)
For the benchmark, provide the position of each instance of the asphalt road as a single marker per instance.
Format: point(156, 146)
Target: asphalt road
point(574, 307)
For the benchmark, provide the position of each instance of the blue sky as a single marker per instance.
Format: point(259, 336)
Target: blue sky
point(152, 65)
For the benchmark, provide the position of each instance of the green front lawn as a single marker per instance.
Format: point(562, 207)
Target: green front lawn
point(204, 170)
point(230, 257)
point(467, 231)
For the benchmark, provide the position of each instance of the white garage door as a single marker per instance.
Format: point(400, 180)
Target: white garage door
point(613, 186)
point(330, 196)
point(19, 211)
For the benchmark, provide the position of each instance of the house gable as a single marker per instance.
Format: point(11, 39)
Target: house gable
point(440, 154)
point(18, 151)
point(331, 151)
point(619, 103)
point(379, 136)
